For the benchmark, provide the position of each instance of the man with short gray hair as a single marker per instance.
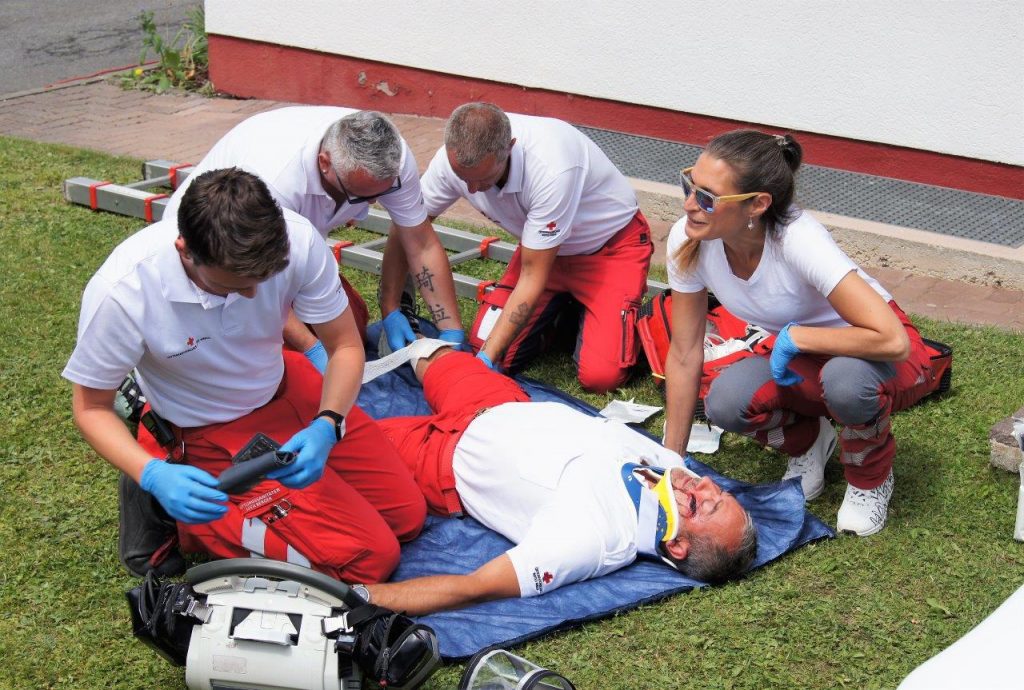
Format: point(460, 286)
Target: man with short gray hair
point(328, 165)
point(584, 245)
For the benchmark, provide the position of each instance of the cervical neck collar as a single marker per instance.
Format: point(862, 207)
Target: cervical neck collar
point(656, 511)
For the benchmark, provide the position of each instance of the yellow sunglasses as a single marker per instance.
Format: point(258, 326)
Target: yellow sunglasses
point(706, 200)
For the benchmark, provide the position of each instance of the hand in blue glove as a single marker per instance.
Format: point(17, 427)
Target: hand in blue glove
point(317, 355)
point(187, 493)
point(482, 356)
point(399, 332)
point(311, 447)
point(783, 352)
point(455, 336)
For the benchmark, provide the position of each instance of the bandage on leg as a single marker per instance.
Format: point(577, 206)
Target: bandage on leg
point(413, 353)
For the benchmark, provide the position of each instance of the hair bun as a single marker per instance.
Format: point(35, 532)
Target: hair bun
point(792, 152)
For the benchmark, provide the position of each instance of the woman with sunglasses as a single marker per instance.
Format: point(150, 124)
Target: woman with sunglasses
point(844, 350)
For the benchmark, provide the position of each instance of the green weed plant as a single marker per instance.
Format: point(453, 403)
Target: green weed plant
point(182, 62)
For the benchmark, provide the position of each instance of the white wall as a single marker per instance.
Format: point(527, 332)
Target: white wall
point(939, 75)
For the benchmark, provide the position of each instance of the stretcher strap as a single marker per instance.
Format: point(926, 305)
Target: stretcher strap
point(481, 289)
point(485, 243)
point(92, 192)
point(341, 244)
point(172, 172)
point(148, 205)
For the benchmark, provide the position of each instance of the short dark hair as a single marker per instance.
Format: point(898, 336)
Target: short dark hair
point(229, 220)
point(709, 561)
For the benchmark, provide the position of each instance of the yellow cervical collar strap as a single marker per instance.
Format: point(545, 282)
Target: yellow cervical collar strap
point(667, 499)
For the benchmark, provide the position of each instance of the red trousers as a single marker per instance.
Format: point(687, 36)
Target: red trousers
point(609, 284)
point(458, 386)
point(347, 524)
point(858, 394)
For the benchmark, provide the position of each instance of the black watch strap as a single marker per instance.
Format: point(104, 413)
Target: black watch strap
point(337, 418)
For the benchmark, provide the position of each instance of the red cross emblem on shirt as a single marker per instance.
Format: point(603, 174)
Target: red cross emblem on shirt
point(548, 577)
point(552, 225)
point(191, 341)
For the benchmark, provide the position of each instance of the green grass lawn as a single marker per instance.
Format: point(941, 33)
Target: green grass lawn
point(857, 613)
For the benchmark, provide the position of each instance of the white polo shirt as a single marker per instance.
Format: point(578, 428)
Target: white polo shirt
point(201, 358)
point(281, 146)
point(553, 485)
point(792, 281)
point(562, 191)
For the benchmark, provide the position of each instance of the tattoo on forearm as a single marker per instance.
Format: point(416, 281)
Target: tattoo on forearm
point(438, 313)
point(520, 317)
point(425, 279)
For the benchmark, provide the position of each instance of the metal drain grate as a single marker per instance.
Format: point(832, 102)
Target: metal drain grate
point(953, 212)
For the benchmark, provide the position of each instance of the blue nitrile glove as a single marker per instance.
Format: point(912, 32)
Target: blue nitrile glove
point(317, 355)
point(187, 493)
point(455, 336)
point(783, 352)
point(311, 446)
point(482, 356)
point(399, 332)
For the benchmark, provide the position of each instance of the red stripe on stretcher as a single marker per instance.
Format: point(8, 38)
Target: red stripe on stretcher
point(92, 192)
point(147, 204)
point(338, 247)
point(485, 243)
point(173, 173)
point(481, 289)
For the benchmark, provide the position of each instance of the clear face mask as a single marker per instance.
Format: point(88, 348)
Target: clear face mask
point(498, 669)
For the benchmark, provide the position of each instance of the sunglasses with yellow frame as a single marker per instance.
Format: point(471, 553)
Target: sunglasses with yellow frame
point(706, 200)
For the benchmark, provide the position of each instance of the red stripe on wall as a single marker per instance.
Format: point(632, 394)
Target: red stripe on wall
point(252, 69)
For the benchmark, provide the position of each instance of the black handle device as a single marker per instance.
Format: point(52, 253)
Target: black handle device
point(239, 478)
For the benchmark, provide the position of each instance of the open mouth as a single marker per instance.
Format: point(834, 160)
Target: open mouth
point(685, 496)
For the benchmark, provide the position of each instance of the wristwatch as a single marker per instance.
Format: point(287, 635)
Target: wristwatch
point(362, 590)
point(337, 418)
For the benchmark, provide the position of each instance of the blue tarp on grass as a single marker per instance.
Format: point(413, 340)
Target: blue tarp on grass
point(449, 546)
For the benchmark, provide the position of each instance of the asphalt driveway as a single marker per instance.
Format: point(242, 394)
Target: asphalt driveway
point(46, 41)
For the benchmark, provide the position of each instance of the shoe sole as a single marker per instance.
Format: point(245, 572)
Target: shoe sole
point(854, 533)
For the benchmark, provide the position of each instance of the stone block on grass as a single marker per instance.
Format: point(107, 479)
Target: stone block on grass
point(1006, 453)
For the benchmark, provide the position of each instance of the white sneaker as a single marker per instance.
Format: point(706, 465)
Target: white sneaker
point(864, 511)
point(810, 466)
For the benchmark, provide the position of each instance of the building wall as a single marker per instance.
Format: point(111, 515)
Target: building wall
point(936, 76)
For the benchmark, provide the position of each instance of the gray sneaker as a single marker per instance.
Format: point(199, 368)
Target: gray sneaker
point(810, 466)
point(864, 511)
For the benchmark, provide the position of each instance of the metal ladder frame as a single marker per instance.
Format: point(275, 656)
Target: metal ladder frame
point(132, 200)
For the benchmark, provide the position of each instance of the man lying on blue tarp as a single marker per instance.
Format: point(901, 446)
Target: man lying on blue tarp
point(580, 496)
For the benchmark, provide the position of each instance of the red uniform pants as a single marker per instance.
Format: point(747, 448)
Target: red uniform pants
point(858, 394)
point(609, 284)
point(458, 386)
point(347, 524)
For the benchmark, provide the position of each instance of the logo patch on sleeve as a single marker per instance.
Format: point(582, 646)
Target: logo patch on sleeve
point(550, 230)
point(540, 580)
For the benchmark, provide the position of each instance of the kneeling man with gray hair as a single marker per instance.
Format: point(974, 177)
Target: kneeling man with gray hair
point(580, 496)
